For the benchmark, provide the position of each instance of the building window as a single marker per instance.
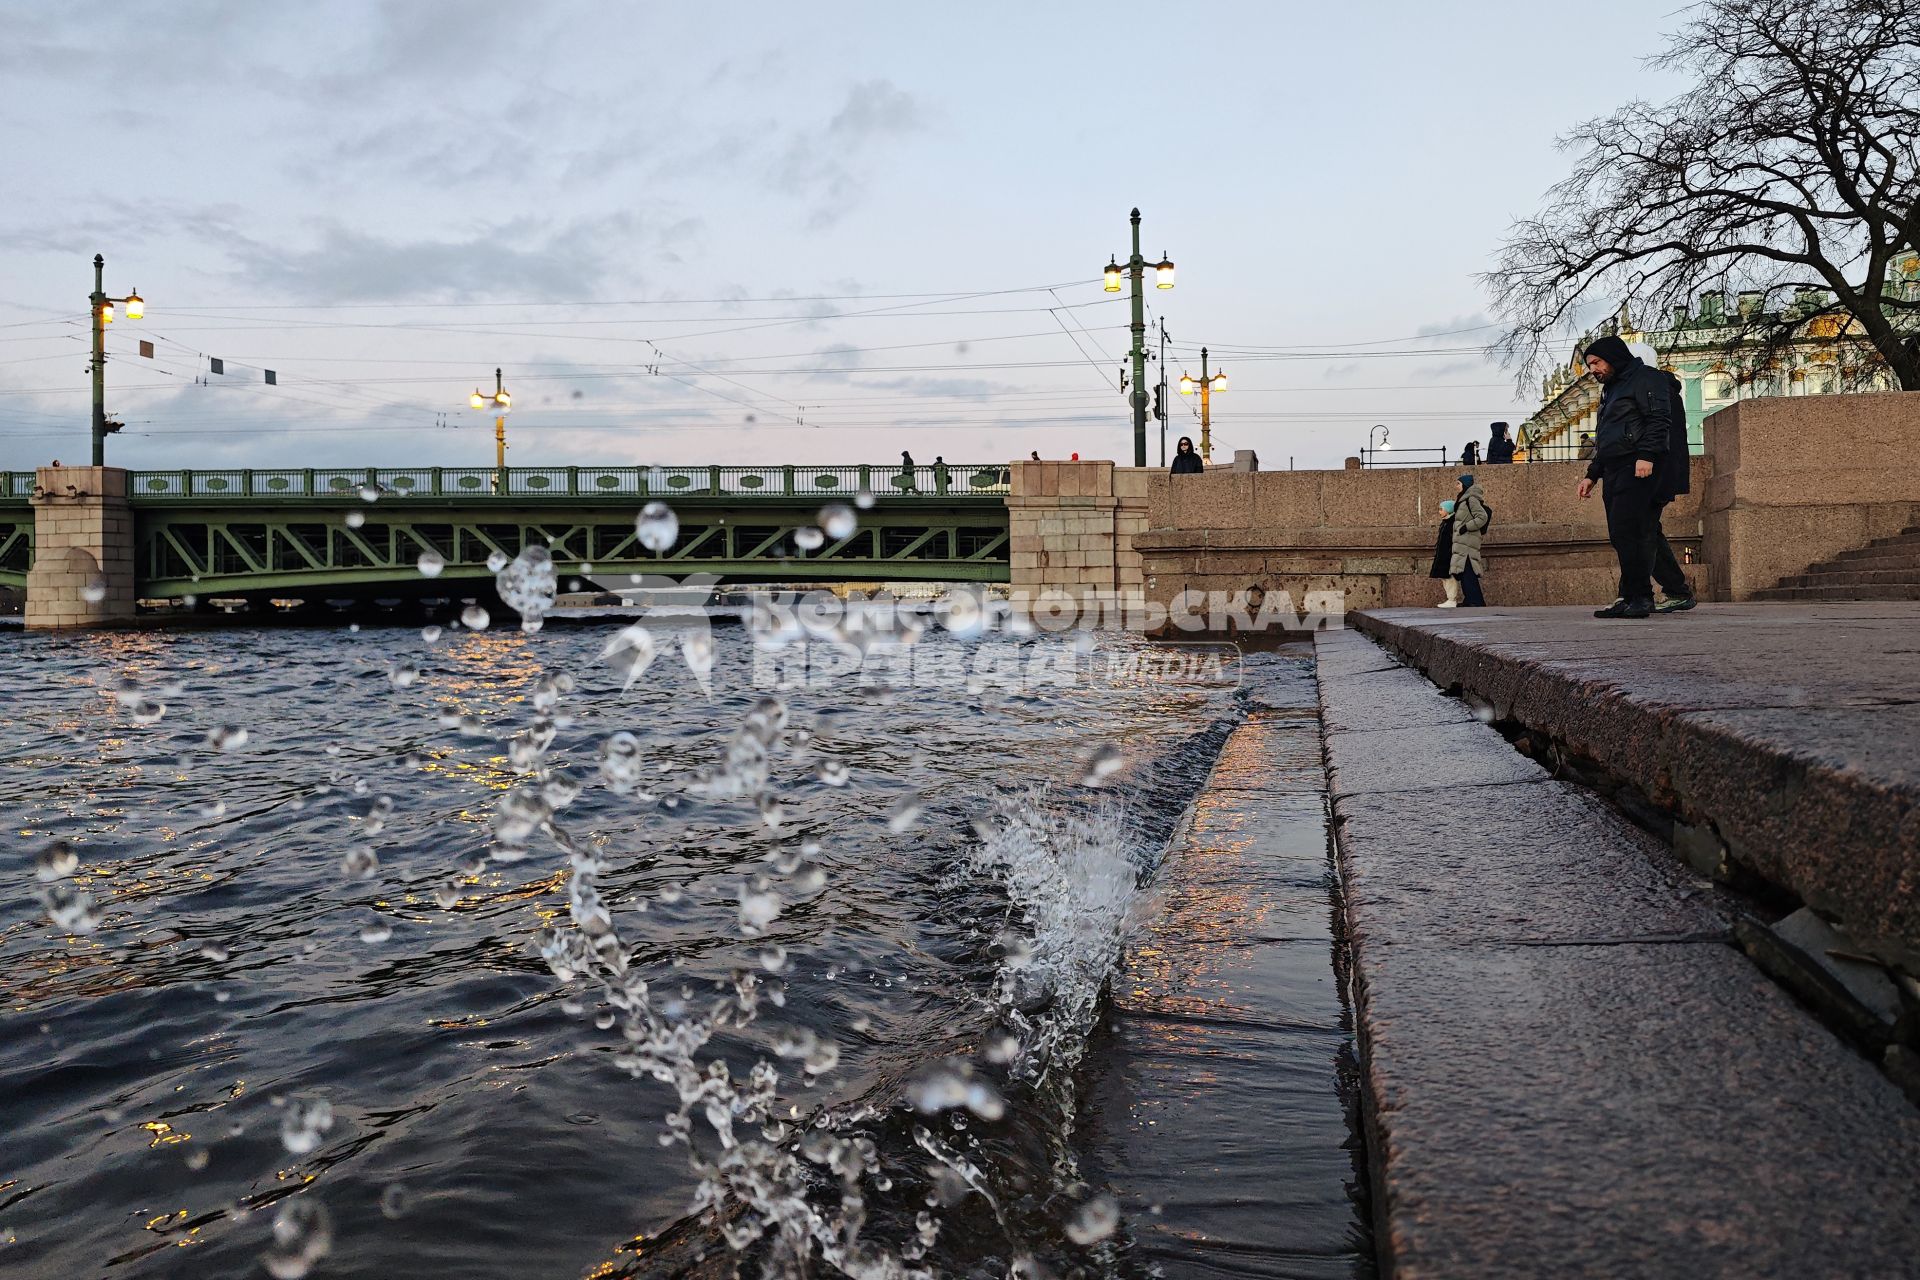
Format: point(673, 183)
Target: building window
point(1717, 386)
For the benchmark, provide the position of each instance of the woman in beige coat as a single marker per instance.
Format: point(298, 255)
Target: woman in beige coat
point(1471, 516)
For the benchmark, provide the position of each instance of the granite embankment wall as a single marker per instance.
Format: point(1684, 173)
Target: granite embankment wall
point(1783, 484)
point(1370, 533)
point(1795, 481)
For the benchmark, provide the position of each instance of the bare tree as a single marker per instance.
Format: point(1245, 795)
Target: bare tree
point(1791, 170)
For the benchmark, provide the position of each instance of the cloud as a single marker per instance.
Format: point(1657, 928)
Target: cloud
point(824, 165)
point(523, 258)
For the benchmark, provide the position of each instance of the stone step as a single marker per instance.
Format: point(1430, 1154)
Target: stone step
point(1881, 591)
point(1863, 564)
point(1829, 576)
point(1902, 542)
point(1566, 1069)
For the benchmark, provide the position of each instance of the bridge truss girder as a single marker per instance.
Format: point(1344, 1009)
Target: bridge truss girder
point(277, 550)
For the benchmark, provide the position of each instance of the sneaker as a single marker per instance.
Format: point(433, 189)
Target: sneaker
point(1448, 604)
point(1626, 609)
point(1676, 604)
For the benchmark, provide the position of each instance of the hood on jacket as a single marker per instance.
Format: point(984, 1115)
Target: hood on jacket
point(1614, 352)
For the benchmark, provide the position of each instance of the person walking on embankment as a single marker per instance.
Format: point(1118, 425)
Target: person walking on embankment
point(1672, 476)
point(1471, 516)
point(1631, 432)
point(1185, 460)
point(1443, 557)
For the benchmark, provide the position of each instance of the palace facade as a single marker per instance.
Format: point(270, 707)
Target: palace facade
point(1826, 358)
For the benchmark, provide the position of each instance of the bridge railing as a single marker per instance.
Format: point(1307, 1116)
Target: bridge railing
point(16, 486)
point(560, 483)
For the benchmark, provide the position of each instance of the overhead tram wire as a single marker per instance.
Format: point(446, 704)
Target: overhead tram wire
point(634, 302)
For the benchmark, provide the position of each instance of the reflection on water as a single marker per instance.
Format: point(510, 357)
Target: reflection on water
point(313, 984)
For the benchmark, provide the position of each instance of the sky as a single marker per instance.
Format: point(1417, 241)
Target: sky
point(768, 232)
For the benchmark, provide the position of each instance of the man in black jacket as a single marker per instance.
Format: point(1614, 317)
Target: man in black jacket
point(1635, 422)
point(1672, 476)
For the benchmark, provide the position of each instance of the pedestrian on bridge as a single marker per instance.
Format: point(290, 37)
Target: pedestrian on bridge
point(1631, 435)
point(907, 484)
point(1185, 461)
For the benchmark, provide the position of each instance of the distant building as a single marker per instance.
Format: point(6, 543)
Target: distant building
point(1694, 345)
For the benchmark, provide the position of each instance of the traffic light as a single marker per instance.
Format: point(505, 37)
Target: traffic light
point(1159, 414)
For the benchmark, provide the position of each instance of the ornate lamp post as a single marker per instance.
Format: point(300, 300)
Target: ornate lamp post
point(102, 308)
point(502, 403)
point(1208, 385)
point(1136, 270)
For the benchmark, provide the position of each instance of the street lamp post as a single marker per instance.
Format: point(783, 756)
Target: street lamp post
point(502, 403)
point(1208, 385)
point(102, 308)
point(1385, 443)
point(1136, 270)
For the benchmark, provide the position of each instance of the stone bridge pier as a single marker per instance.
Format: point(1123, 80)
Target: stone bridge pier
point(83, 567)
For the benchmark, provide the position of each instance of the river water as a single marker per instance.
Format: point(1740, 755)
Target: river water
point(397, 969)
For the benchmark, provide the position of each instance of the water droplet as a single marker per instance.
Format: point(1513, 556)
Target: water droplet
point(904, 814)
point(402, 674)
point(808, 538)
point(1001, 1047)
point(69, 908)
point(657, 527)
point(197, 1159)
point(227, 737)
point(56, 862)
point(474, 618)
point(213, 951)
point(146, 711)
point(774, 958)
point(1102, 765)
point(527, 585)
point(431, 563)
point(395, 1200)
point(94, 589)
point(302, 1123)
point(448, 893)
point(832, 771)
point(376, 930)
point(1095, 1220)
point(952, 1085)
point(360, 862)
point(864, 499)
point(354, 519)
point(837, 520)
point(757, 910)
point(430, 633)
point(369, 493)
point(302, 1235)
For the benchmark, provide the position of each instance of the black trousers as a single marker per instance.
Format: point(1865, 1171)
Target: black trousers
point(1661, 560)
point(1633, 521)
point(1470, 596)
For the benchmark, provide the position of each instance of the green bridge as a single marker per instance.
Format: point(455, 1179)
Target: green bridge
point(356, 531)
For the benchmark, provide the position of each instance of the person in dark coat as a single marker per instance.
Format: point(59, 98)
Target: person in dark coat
point(1500, 444)
point(1470, 454)
point(907, 482)
point(1185, 460)
point(1672, 477)
point(1443, 558)
point(1631, 432)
